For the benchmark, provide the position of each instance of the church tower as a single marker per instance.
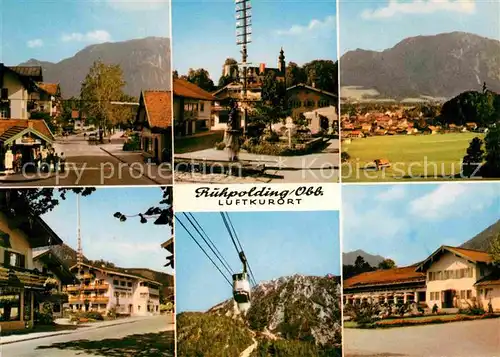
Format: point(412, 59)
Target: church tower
point(281, 62)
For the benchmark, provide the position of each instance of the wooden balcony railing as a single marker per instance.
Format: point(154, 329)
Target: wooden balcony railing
point(92, 299)
point(90, 287)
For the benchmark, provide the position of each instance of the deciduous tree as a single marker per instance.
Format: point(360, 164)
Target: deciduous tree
point(201, 78)
point(102, 85)
point(387, 264)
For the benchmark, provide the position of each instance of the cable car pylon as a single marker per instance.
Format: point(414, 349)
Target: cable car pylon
point(242, 294)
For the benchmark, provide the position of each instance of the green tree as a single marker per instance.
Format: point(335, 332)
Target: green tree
point(295, 75)
point(45, 117)
point(482, 108)
point(102, 85)
point(323, 74)
point(175, 74)
point(387, 264)
point(38, 201)
point(491, 167)
point(201, 78)
point(494, 249)
point(272, 106)
point(474, 158)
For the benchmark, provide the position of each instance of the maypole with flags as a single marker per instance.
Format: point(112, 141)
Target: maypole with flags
point(243, 38)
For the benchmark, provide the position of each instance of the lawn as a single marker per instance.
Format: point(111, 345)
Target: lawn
point(198, 142)
point(412, 157)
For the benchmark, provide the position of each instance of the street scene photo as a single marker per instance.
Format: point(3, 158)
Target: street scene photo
point(85, 97)
point(420, 90)
point(258, 105)
point(87, 272)
point(267, 289)
point(425, 280)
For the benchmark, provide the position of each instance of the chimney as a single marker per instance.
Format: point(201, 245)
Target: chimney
point(30, 124)
point(262, 68)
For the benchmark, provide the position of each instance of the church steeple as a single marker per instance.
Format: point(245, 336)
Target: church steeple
point(281, 61)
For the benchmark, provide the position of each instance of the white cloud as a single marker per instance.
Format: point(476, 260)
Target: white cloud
point(452, 200)
point(35, 43)
point(97, 36)
point(315, 26)
point(397, 7)
point(396, 192)
point(138, 5)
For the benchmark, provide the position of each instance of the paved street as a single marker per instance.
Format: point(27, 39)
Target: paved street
point(479, 338)
point(141, 337)
point(318, 167)
point(107, 164)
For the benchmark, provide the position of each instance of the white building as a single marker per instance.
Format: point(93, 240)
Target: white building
point(451, 277)
point(103, 289)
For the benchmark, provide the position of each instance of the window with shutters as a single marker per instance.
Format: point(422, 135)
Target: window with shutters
point(14, 259)
point(5, 94)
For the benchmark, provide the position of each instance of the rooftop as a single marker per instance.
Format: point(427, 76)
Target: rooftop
point(387, 276)
point(158, 108)
point(183, 88)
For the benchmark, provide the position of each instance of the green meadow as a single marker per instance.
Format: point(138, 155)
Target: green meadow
point(412, 157)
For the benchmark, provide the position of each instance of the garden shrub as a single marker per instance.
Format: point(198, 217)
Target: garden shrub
point(220, 145)
point(132, 144)
point(435, 309)
point(344, 156)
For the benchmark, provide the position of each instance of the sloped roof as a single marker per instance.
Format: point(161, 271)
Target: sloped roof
point(119, 271)
point(475, 256)
point(55, 265)
point(49, 88)
point(158, 108)
point(491, 279)
point(28, 71)
point(9, 127)
point(304, 86)
point(183, 88)
point(387, 276)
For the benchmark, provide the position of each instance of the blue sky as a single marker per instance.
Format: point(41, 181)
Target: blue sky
point(128, 244)
point(204, 33)
point(380, 24)
point(408, 222)
point(276, 244)
point(54, 30)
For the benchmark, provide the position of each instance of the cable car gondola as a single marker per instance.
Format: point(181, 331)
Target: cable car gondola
point(241, 287)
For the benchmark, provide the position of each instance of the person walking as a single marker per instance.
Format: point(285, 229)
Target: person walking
point(56, 162)
point(62, 159)
point(233, 132)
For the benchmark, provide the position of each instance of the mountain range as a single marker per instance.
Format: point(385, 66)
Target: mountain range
point(294, 316)
point(146, 64)
point(350, 257)
point(438, 66)
point(482, 240)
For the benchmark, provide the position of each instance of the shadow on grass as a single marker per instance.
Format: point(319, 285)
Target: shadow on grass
point(152, 345)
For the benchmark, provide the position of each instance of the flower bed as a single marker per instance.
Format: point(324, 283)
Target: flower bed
point(282, 149)
point(429, 320)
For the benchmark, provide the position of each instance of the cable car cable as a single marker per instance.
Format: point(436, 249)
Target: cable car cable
point(254, 282)
point(208, 238)
point(188, 232)
point(239, 248)
point(230, 233)
point(216, 255)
